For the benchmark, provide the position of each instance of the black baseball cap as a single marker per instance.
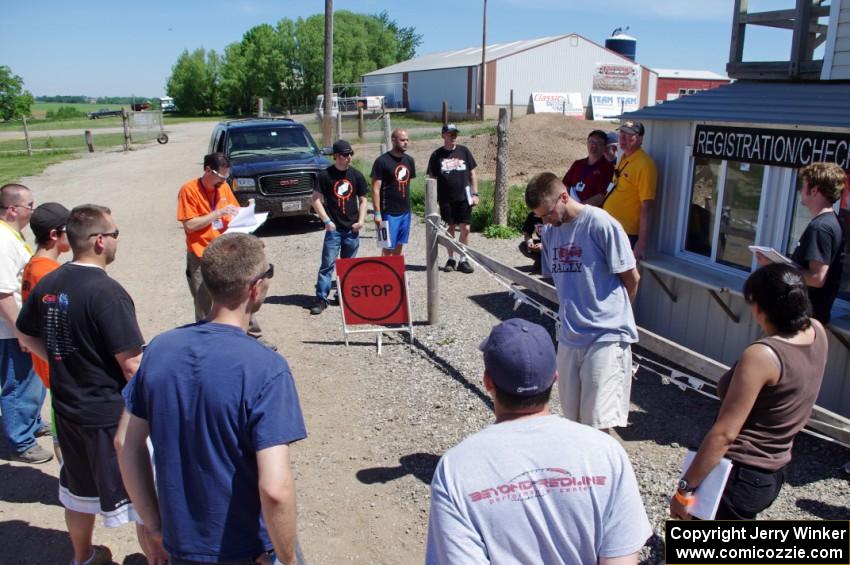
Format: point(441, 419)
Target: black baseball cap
point(632, 127)
point(342, 147)
point(450, 128)
point(46, 217)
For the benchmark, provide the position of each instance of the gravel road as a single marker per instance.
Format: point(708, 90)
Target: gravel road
point(377, 425)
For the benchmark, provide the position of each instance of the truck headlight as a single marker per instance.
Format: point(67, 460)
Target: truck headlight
point(244, 183)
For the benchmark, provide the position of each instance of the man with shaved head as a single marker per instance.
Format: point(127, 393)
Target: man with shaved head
point(22, 392)
point(391, 176)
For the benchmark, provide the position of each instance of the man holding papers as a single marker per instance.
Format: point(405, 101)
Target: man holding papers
point(391, 176)
point(205, 206)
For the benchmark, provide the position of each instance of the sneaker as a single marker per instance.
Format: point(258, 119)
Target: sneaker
point(450, 265)
point(34, 455)
point(43, 431)
point(101, 555)
point(318, 307)
point(465, 267)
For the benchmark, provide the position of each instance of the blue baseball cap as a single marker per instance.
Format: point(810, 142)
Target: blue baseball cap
point(519, 357)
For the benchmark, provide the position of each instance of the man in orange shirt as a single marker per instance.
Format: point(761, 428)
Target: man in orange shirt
point(205, 206)
point(48, 225)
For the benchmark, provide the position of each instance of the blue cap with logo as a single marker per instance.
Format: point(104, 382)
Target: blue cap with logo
point(519, 357)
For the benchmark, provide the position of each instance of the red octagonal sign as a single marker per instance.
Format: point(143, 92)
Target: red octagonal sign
point(373, 290)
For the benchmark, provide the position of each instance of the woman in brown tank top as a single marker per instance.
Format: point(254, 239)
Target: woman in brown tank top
point(766, 398)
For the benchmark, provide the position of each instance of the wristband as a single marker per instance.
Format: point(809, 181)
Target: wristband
point(377, 214)
point(475, 195)
point(328, 221)
point(684, 500)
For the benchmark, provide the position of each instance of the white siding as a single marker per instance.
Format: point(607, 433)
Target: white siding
point(427, 89)
point(566, 65)
point(836, 64)
point(695, 320)
point(389, 86)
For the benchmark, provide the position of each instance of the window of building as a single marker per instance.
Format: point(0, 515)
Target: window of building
point(724, 210)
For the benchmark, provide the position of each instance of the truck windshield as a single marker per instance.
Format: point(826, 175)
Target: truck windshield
point(269, 141)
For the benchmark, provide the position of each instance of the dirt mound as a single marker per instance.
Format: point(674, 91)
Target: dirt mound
point(536, 143)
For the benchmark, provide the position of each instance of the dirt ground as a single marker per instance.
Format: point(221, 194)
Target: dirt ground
point(376, 426)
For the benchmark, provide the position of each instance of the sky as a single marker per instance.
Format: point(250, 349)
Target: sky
point(102, 48)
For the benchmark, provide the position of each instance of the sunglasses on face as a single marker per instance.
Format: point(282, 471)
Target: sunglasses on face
point(27, 206)
point(112, 234)
point(218, 174)
point(266, 275)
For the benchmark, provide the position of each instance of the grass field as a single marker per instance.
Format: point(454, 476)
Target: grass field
point(14, 167)
point(40, 109)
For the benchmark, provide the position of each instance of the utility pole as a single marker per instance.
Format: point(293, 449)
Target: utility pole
point(327, 114)
point(483, 62)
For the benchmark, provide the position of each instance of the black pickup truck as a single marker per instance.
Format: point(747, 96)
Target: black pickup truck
point(273, 160)
point(103, 113)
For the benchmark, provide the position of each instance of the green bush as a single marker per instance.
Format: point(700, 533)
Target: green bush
point(64, 113)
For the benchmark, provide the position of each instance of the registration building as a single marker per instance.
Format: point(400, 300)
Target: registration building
point(727, 162)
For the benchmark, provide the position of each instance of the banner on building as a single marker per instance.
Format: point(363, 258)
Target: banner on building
point(567, 103)
point(780, 147)
point(616, 76)
point(608, 105)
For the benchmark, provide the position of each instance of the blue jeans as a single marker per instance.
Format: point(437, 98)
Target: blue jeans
point(21, 397)
point(342, 243)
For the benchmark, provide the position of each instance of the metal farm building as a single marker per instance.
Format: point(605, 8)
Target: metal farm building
point(565, 63)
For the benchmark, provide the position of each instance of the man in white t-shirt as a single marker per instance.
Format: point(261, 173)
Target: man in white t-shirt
point(533, 487)
point(21, 391)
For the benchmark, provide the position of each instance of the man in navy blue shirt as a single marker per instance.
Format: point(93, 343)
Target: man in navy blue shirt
point(221, 410)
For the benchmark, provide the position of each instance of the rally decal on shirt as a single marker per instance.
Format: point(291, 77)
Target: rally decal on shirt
point(567, 259)
point(57, 337)
point(402, 178)
point(453, 164)
point(342, 190)
point(537, 483)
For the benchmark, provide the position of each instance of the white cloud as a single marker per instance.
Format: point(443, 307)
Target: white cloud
point(694, 10)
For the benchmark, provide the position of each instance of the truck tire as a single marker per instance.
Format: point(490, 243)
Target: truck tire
point(162, 139)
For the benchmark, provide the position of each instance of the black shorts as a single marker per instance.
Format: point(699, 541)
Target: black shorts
point(459, 212)
point(90, 480)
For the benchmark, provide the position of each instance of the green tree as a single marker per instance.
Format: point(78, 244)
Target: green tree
point(14, 100)
point(194, 82)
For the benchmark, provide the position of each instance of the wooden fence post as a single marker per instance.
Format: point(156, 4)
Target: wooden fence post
point(512, 104)
point(445, 112)
point(432, 220)
point(339, 125)
point(259, 107)
point(89, 140)
point(27, 136)
point(387, 130)
point(125, 119)
point(360, 124)
point(500, 194)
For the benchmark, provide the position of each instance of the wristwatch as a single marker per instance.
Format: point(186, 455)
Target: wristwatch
point(685, 487)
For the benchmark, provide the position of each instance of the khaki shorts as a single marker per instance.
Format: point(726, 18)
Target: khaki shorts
point(595, 383)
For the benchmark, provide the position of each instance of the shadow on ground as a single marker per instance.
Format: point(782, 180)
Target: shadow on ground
point(289, 226)
point(420, 465)
point(26, 484)
point(24, 544)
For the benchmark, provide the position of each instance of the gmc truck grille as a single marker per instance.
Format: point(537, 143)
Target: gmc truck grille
point(289, 184)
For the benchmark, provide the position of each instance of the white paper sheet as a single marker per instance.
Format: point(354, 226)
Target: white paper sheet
point(772, 254)
point(246, 221)
point(710, 490)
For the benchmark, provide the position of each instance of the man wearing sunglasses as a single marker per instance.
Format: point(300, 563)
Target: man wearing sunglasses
point(213, 399)
point(84, 324)
point(21, 391)
point(631, 197)
point(340, 202)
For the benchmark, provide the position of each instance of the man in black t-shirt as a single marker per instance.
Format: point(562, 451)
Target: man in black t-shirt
point(391, 176)
point(821, 247)
point(457, 188)
point(340, 202)
point(84, 323)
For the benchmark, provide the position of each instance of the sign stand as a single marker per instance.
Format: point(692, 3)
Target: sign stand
point(374, 291)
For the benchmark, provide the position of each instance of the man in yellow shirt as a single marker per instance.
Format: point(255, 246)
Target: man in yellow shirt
point(632, 197)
